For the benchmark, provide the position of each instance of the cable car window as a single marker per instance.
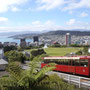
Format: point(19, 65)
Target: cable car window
point(84, 63)
point(66, 62)
point(69, 62)
point(77, 62)
point(59, 61)
point(62, 62)
point(73, 62)
point(47, 61)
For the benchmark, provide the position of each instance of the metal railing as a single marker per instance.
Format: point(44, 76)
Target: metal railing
point(77, 80)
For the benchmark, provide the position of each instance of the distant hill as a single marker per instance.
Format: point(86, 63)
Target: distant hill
point(25, 34)
point(63, 32)
point(58, 32)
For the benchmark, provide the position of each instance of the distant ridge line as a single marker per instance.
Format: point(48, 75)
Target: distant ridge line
point(63, 32)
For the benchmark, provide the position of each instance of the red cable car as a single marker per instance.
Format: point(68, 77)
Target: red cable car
point(71, 64)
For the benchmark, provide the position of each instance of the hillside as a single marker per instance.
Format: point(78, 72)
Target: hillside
point(76, 33)
point(58, 32)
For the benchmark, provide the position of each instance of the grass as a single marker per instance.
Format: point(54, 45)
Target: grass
point(29, 50)
point(60, 51)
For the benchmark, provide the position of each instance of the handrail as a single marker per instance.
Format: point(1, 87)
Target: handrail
point(78, 80)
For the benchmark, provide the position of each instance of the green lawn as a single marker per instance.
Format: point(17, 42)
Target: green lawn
point(60, 51)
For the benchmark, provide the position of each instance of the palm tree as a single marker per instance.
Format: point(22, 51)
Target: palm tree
point(25, 79)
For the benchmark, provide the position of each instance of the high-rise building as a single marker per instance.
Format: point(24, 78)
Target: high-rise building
point(1, 53)
point(35, 39)
point(22, 43)
point(68, 39)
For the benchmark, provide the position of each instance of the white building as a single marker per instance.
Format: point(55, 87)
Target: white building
point(3, 64)
point(68, 39)
point(6, 44)
point(1, 53)
point(12, 44)
point(45, 46)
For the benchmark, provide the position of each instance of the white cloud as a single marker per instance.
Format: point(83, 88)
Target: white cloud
point(48, 25)
point(15, 9)
point(36, 22)
point(84, 14)
point(70, 12)
point(71, 22)
point(75, 24)
point(62, 4)
point(51, 23)
point(74, 4)
point(30, 9)
point(35, 26)
point(49, 4)
point(6, 5)
point(3, 19)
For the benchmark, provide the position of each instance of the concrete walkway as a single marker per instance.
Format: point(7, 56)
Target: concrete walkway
point(3, 73)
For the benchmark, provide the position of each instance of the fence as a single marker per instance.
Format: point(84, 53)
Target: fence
point(77, 80)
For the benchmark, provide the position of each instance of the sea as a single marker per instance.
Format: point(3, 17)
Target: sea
point(6, 39)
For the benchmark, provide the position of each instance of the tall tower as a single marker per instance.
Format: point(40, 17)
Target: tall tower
point(68, 39)
point(35, 39)
point(22, 43)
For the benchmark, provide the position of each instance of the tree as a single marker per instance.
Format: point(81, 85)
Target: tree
point(9, 48)
point(36, 52)
point(24, 79)
point(79, 52)
point(85, 50)
point(16, 56)
point(54, 82)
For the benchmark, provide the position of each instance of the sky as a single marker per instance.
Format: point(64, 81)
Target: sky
point(42, 15)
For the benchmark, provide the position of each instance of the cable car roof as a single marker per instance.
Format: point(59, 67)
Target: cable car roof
point(67, 57)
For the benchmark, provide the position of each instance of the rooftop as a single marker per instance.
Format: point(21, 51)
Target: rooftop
point(2, 61)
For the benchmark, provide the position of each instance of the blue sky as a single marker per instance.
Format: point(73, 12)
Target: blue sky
point(40, 15)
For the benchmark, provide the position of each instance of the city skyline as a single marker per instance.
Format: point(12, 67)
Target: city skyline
point(41, 15)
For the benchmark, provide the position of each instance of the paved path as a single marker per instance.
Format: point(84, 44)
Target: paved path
point(3, 73)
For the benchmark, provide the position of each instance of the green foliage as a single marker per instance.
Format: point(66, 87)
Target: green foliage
point(36, 52)
point(9, 48)
point(5, 76)
point(79, 53)
point(15, 56)
point(85, 50)
point(56, 45)
point(33, 78)
point(25, 78)
point(75, 45)
point(54, 82)
point(34, 47)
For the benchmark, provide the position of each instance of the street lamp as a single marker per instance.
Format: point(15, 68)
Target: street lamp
point(89, 50)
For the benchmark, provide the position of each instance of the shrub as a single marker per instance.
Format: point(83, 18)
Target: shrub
point(79, 53)
point(15, 56)
point(9, 48)
point(54, 82)
point(56, 45)
point(37, 52)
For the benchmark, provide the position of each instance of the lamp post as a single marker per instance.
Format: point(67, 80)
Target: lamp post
point(89, 50)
